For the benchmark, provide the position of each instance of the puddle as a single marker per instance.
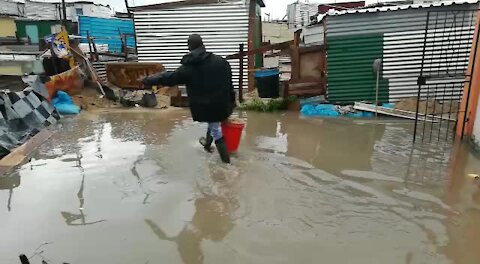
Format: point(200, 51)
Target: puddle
point(137, 188)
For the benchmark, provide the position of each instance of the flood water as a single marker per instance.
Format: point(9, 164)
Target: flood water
point(136, 187)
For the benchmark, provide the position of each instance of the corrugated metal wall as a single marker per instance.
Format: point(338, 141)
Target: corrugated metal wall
point(313, 35)
point(350, 75)
point(402, 34)
point(41, 10)
point(162, 34)
point(106, 31)
point(10, 8)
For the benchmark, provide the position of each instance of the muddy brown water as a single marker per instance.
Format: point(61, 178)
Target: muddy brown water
point(135, 187)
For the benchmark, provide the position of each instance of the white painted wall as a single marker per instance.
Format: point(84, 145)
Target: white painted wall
point(88, 10)
point(276, 32)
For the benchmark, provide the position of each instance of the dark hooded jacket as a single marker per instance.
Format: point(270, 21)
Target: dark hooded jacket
point(208, 78)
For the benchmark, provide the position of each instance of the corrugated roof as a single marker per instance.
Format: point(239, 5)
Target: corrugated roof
point(400, 7)
point(181, 3)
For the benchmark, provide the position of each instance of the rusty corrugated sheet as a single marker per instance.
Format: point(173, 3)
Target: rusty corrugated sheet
point(128, 75)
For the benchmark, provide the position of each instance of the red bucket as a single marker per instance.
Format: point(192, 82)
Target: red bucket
point(232, 132)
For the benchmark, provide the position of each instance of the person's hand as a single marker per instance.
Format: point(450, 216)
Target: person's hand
point(147, 81)
point(151, 80)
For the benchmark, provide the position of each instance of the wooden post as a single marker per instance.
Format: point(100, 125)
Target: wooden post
point(124, 41)
point(286, 87)
point(252, 13)
point(121, 40)
point(295, 62)
point(240, 80)
point(295, 56)
point(128, 9)
point(376, 93)
point(97, 58)
point(89, 45)
point(64, 12)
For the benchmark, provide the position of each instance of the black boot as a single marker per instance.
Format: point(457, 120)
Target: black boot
point(222, 150)
point(207, 141)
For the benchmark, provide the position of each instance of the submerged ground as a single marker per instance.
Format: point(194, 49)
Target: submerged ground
point(135, 187)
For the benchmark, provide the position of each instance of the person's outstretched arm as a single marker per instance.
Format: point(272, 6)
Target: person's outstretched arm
point(168, 78)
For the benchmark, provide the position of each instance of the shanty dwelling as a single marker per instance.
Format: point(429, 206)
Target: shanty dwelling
point(408, 45)
point(8, 13)
point(8, 27)
point(40, 19)
point(162, 31)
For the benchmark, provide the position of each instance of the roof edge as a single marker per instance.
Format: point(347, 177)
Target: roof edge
point(402, 7)
point(180, 4)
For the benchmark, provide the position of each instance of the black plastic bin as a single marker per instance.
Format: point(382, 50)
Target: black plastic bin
point(268, 83)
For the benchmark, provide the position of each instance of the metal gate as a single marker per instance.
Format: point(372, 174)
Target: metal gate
point(444, 75)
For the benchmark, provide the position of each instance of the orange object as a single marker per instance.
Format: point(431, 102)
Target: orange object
point(232, 133)
point(475, 89)
point(71, 82)
point(128, 75)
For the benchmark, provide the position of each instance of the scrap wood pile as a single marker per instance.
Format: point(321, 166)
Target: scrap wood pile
point(124, 78)
point(69, 70)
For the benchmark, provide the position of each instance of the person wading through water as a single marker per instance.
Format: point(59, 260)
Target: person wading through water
point(211, 97)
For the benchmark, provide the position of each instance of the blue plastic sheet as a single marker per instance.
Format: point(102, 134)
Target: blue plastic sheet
point(330, 110)
point(319, 110)
point(389, 105)
point(64, 104)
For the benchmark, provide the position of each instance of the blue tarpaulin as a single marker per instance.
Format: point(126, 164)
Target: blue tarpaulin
point(330, 110)
point(106, 31)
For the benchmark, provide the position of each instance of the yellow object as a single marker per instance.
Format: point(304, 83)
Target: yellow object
point(8, 27)
point(61, 39)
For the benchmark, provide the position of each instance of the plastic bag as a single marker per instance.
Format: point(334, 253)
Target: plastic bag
point(64, 104)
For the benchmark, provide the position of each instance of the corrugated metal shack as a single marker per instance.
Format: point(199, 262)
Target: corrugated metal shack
point(355, 38)
point(38, 19)
point(162, 30)
point(107, 31)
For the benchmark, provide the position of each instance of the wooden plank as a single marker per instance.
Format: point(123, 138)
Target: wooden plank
point(295, 63)
point(19, 154)
point(305, 92)
point(396, 112)
point(314, 87)
point(311, 49)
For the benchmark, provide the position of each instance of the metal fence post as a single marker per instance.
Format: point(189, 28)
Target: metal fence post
point(240, 80)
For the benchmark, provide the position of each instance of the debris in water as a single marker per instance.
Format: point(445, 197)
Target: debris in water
point(473, 175)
